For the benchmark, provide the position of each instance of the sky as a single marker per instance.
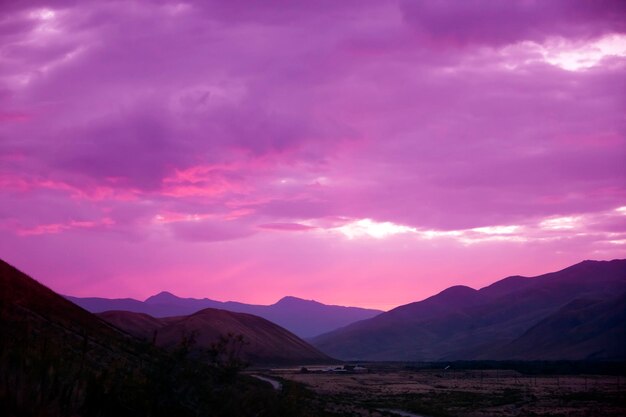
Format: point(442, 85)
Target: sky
point(356, 152)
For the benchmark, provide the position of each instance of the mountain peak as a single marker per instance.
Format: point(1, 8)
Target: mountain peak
point(289, 299)
point(163, 296)
point(458, 290)
point(458, 294)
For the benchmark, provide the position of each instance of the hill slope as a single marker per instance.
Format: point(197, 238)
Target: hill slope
point(57, 359)
point(265, 341)
point(584, 328)
point(462, 323)
point(34, 311)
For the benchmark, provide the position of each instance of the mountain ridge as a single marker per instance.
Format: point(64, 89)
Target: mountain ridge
point(290, 312)
point(479, 323)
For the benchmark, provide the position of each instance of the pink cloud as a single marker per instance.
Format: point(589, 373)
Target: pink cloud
point(496, 23)
point(13, 117)
point(210, 230)
point(61, 227)
point(296, 227)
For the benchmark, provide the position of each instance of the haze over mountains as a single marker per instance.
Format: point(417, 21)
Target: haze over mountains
point(294, 314)
point(576, 313)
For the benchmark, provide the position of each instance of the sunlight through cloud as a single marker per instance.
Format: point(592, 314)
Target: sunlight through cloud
point(575, 58)
point(370, 228)
point(497, 230)
point(560, 223)
point(43, 14)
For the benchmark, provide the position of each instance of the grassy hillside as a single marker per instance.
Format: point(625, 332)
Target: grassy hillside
point(263, 341)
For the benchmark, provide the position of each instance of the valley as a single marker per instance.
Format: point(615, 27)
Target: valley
point(462, 392)
point(563, 357)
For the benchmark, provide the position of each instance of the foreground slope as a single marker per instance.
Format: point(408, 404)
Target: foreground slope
point(29, 309)
point(463, 323)
point(58, 359)
point(265, 342)
point(305, 318)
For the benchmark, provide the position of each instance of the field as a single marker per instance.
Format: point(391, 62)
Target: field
point(473, 393)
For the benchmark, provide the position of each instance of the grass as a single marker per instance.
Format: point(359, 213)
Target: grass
point(471, 393)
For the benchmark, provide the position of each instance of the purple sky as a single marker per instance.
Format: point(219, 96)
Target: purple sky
point(354, 152)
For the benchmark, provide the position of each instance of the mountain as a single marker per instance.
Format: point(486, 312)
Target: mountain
point(583, 328)
point(305, 318)
point(496, 321)
point(57, 359)
point(265, 342)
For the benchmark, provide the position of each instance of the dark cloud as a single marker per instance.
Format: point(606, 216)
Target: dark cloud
point(494, 22)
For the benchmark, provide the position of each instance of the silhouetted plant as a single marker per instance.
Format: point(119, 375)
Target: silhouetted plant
point(226, 355)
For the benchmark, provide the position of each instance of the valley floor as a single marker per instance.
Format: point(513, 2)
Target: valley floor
point(471, 393)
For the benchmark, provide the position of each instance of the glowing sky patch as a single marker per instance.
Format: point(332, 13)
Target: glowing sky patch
point(433, 234)
point(560, 223)
point(370, 228)
point(586, 55)
point(497, 230)
point(43, 14)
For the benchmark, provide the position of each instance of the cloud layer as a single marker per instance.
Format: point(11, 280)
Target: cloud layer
point(255, 149)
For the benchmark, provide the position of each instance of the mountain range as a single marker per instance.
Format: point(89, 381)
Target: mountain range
point(294, 314)
point(576, 313)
